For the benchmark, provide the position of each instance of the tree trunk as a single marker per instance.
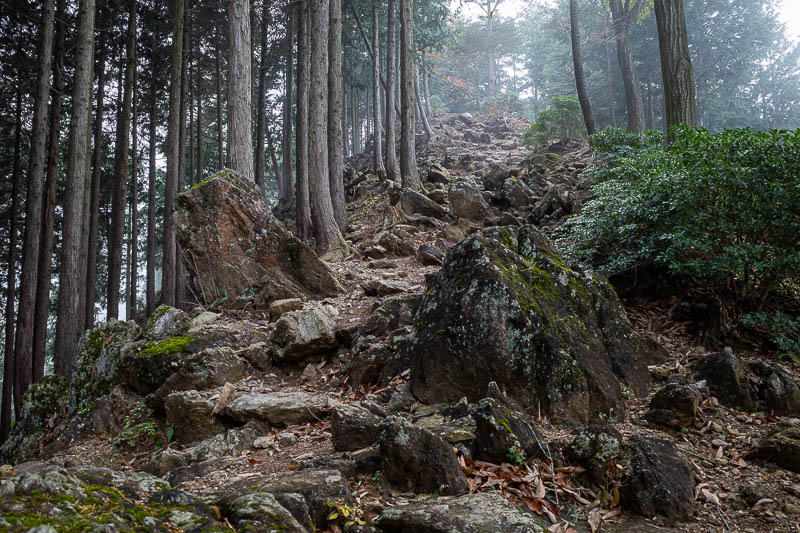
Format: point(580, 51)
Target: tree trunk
point(49, 203)
point(302, 206)
point(121, 157)
point(335, 134)
point(94, 193)
point(181, 185)
point(67, 334)
point(218, 87)
point(426, 90)
point(262, 103)
point(286, 145)
point(198, 91)
point(11, 280)
point(408, 155)
point(490, 45)
point(676, 65)
point(240, 129)
point(23, 342)
point(422, 115)
point(276, 169)
point(330, 242)
point(651, 114)
point(633, 92)
point(580, 79)
point(609, 79)
point(150, 291)
point(133, 264)
point(377, 122)
point(392, 168)
point(173, 158)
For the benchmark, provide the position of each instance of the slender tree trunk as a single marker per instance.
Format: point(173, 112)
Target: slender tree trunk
point(11, 280)
point(377, 141)
point(330, 242)
point(335, 134)
point(240, 129)
point(134, 241)
point(408, 155)
point(426, 90)
point(676, 65)
point(198, 90)
point(261, 155)
point(580, 79)
point(150, 304)
point(49, 203)
point(181, 185)
point(422, 115)
point(121, 159)
point(218, 87)
point(94, 200)
point(276, 169)
point(633, 92)
point(490, 46)
point(69, 287)
point(651, 115)
point(392, 167)
point(189, 179)
point(303, 206)
point(288, 117)
point(356, 122)
point(23, 342)
point(609, 79)
point(173, 158)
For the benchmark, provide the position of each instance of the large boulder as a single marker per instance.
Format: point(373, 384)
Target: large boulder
point(781, 447)
point(727, 379)
point(278, 408)
point(466, 200)
point(303, 333)
point(499, 429)
point(473, 513)
point(238, 253)
point(505, 307)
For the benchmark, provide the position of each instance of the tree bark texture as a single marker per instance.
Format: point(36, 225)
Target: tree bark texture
point(392, 167)
point(609, 79)
point(133, 264)
point(580, 79)
point(377, 122)
point(335, 134)
point(218, 87)
point(302, 206)
point(150, 288)
point(67, 334)
point(180, 285)
point(287, 177)
point(240, 129)
point(676, 65)
point(623, 12)
point(262, 102)
point(408, 155)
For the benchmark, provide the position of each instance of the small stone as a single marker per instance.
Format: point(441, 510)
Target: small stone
point(279, 307)
point(310, 373)
point(791, 509)
point(264, 443)
point(286, 438)
point(7, 472)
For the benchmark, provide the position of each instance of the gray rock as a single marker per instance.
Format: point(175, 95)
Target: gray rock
point(199, 322)
point(317, 487)
point(232, 442)
point(165, 322)
point(506, 307)
point(428, 254)
point(279, 307)
point(725, 374)
point(466, 118)
point(517, 193)
point(438, 174)
point(473, 513)
point(775, 388)
point(413, 202)
point(498, 429)
point(353, 428)
point(658, 480)
point(496, 177)
point(466, 200)
point(258, 512)
point(258, 354)
point(192, 416)
point(416, 460)
point(279, 408)
point(596, 448)
point(674, 406)
point(300, 334)
point(383, 287)
point(391, 314)
point(781, 447)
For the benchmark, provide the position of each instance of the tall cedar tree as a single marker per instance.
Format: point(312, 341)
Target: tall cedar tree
point(261, 102)
point(676, 65)
point(121, 160)
point(408, 156)
point(392, 168)
point(23, 342)
point(173, 159)
point(287, 190)
point(623, 13)
point(240, 140)
point(580, 79)
point(69, 287)
point(133, 255)
point(335, 111)
point(303, 206)
point(377, 123)
point(150, 290)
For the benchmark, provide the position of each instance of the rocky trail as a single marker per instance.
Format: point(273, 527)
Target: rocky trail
point(453, 375)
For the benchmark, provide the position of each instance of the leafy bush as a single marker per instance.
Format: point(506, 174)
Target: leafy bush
point(561, 121)
point(722, 208)
point(613, 144)
point(784, 331)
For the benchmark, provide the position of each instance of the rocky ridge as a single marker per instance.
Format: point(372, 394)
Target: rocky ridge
point(377, 406)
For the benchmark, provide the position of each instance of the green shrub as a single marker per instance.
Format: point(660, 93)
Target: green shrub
point(783, 331)
point(613, 144)
point(721, 208)
point(561, 121)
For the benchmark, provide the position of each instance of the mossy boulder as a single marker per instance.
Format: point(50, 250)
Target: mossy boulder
point(505, 307)
point(238, 254)
point(499, 429)
point(98, 499)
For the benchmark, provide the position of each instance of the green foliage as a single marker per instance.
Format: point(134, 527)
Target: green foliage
point(516, 454)
point(138, 427)
point(613, 144)
point(721, 208)
point(784, 331)
point(562, 120)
